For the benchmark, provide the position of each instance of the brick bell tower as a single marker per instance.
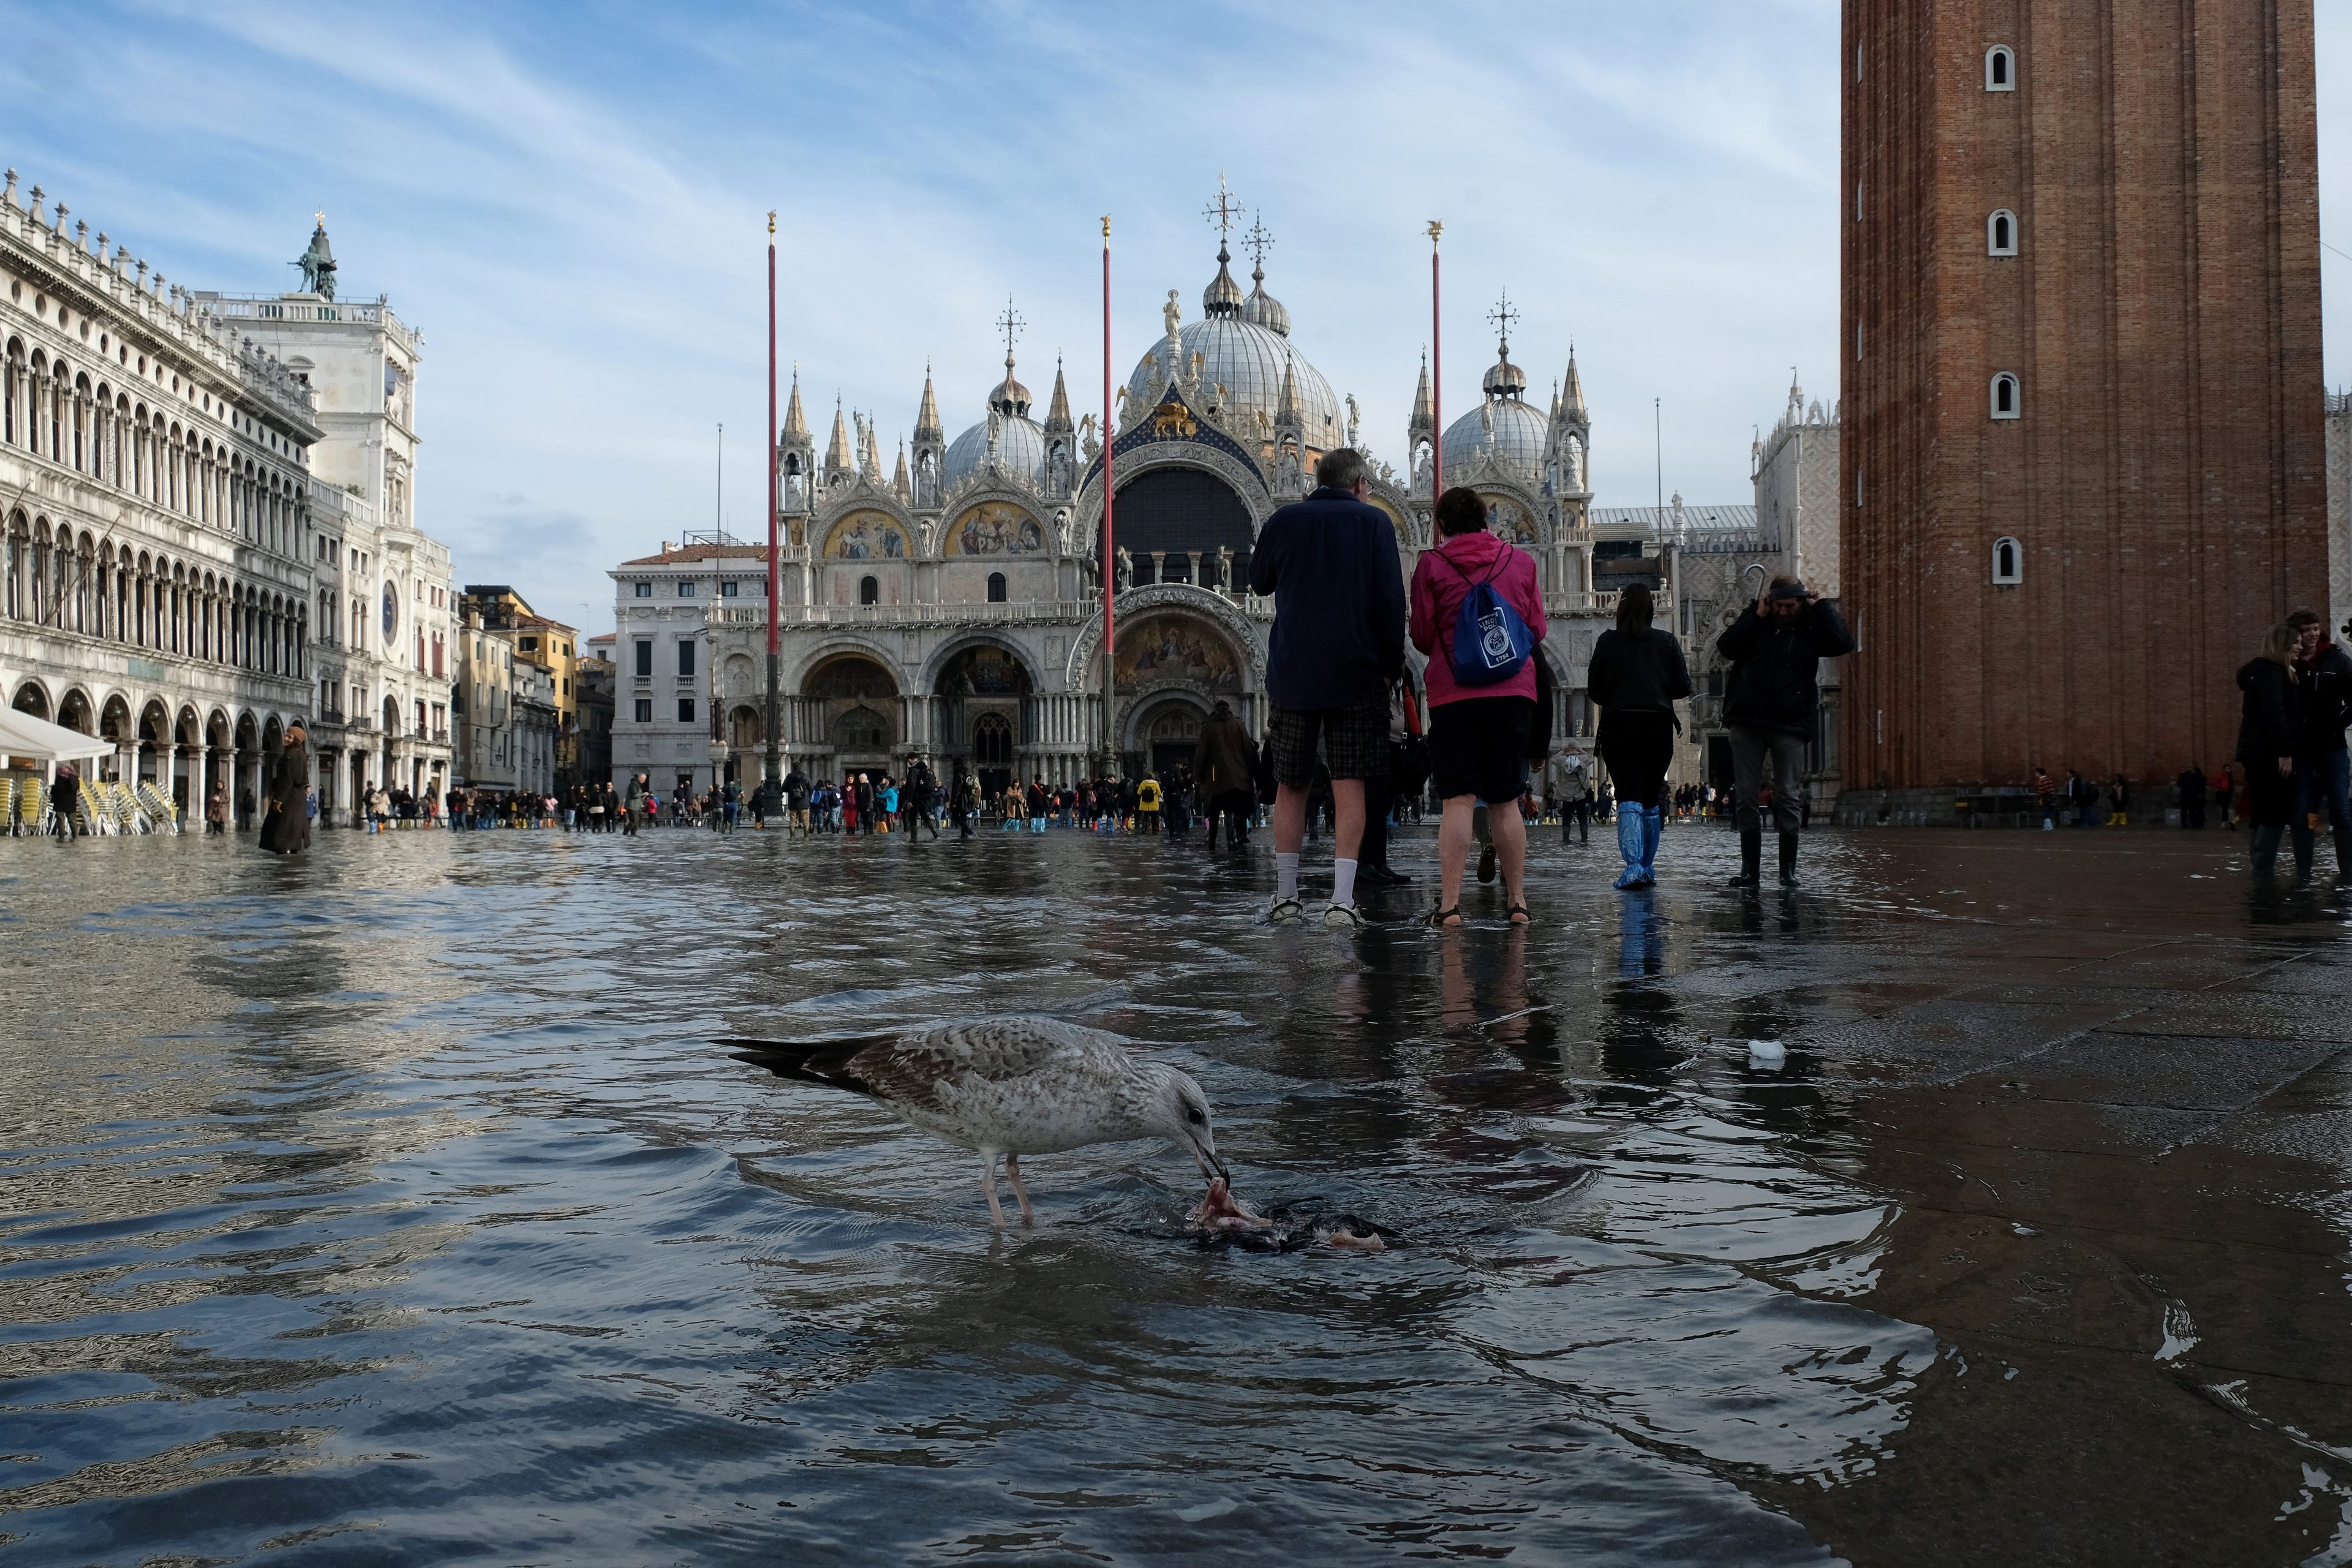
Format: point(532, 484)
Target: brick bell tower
point(2082, 398)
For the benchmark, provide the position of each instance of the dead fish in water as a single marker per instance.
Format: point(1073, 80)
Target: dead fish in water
point(1223, 1220)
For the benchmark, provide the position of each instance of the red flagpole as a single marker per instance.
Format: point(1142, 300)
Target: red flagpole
point(1110, 559)
point(774, 771)
point(1436, 376)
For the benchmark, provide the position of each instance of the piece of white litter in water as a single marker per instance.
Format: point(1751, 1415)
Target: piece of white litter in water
point(2179, 1333)
point(1201, 1510)
point(1767, 1053)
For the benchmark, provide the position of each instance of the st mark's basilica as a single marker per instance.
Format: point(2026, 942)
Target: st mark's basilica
point(953, 607)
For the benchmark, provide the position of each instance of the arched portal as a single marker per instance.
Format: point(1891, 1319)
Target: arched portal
point(985, 684)
point(1165, 730)
point(1171, 522)
point(114, 724)
point(74, 712)
point(745, 734)
point(32, 698)
point(1172, 667)
point(854, 700)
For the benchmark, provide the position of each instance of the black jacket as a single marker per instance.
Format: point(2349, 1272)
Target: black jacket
point(1330, 562)
point(1775, 666)
point(2266, 724)
point(1637, 673)
point(2323, 702)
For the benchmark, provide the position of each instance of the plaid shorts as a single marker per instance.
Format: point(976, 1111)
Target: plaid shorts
point(1355, 740)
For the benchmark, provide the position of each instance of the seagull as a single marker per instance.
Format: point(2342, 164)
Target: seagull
point(1008, 1086)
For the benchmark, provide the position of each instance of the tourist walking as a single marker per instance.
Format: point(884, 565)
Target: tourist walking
point(216, 810)
point(1477, 613)
point(796, 802)
point(1572, 795)
point(1771, 704)
point(2045, 796)
point(2189, 788)
point(2118, 802)
point(1636, 676)
point(1147, 803)
point(2266, 737)
point(1224, 770)
point(285, 823)
point(922, 786)
point(2323, 768)
point(1330, 562)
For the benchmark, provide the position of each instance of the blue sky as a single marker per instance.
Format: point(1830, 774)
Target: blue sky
point(568, 201)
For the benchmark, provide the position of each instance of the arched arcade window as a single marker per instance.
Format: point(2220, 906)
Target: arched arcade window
point(869, 591)
point(996, 590)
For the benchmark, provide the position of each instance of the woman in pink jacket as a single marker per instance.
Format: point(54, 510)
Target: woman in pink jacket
point(1477, 735)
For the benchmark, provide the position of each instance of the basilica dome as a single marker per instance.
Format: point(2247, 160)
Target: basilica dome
point(1020, 449)
point(1510, 429)
point(1244, 342)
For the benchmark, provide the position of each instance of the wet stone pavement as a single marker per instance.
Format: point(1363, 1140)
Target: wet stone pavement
point(394, 1206)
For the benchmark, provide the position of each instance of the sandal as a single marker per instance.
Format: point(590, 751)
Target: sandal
point(1519, 916)
point(1439, 916)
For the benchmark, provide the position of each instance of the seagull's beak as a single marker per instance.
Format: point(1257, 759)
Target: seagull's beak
point(1210, 1164)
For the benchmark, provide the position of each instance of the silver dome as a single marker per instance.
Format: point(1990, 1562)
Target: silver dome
point(1020, 449)
point(1518, 435)
point(1249, 360)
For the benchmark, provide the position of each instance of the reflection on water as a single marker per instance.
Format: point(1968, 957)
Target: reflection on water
point(393, 1206)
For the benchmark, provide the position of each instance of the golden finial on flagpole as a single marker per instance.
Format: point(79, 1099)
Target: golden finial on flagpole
point(1105, 225)
point(1435, 228)
point(771, 220)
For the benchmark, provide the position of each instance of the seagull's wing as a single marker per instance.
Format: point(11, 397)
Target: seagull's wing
point(814, 1061)
point(912, 1070)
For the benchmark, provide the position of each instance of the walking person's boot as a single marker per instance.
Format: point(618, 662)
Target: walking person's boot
point(2303, 840)
point(2343, 855)
point(1629, 845)
point(2264, 843)
point(1788, 859)
point(1751, 858)
point(1654, 823)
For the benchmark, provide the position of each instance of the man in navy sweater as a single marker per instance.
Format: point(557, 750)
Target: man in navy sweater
point(1330, 562)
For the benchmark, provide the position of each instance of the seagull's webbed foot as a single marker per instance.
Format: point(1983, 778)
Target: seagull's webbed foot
point(988, 1189)
point(1013, 1169)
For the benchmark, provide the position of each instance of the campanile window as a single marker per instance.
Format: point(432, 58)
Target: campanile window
point(2004, 396)
point(2000, 68)
point(2008, 563)
point(2001, 232)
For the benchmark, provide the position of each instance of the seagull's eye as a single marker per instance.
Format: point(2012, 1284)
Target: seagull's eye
point(1194, 1115)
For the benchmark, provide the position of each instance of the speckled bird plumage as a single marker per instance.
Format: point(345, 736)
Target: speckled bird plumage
point(1007, 1086)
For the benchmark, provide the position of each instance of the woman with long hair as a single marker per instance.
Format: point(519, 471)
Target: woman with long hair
point(2266, 749)
point(1636, 676)
point(1479, 727)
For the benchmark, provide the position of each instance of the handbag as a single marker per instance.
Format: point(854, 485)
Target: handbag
point(1491, 641)
point(1409, 764)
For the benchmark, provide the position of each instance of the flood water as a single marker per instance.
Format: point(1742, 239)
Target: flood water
point(394, 1206)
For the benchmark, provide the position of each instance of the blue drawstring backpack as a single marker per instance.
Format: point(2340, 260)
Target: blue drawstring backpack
point(1491, 641)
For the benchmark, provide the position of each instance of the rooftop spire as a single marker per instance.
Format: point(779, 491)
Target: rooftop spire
point(836, 451)
point(795, 422)
point(1572, 402)
point(1424, 407)
point(927, 418)
point(1057, 416)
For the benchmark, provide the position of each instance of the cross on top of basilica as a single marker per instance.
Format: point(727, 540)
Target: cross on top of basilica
point(1505, 319)
point(1224, 214)
point(1011, 324)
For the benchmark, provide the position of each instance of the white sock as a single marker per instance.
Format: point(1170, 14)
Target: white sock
point(1343, 881)
point(1286, 874)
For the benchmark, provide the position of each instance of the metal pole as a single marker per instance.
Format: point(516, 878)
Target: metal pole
point(718, 485)
point(1437, 377)
point(1109, 555)
point(1658, 436)
point(772, 773)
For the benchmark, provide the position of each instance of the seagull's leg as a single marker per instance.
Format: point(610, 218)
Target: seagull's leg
point(1013, 1169)
point(988, 1187)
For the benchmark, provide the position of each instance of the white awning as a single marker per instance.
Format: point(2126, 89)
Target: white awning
point(22, 735)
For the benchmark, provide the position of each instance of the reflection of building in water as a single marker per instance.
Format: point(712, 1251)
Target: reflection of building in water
point(954, 606)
